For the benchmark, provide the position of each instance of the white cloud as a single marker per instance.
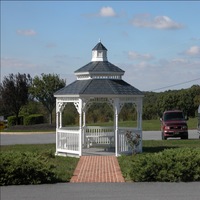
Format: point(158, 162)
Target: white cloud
point(107, 12)
point(158, 22)
point(134, 55)
point(179, 61)
point(147, 76)
point(14, 65)
point(28, 32)
point(193, 51)
point(8, 62)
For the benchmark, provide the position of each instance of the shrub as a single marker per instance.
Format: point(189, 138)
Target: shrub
point(25, 168)
point(172, 165)
point(34, 119)
point(12, 120)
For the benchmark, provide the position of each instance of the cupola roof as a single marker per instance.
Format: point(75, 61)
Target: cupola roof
point(99, 46)
point(99, 67)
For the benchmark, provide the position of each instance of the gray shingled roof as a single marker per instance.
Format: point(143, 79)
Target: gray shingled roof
point(99, 87)
point(99, 46)
point(99, 66)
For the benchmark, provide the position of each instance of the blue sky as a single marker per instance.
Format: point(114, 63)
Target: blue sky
point(157, 44)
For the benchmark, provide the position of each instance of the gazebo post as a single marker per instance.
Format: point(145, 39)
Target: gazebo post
point(60, 122)
point(83, 129)
point(57, 121)
point(80, 126)
point(116, 108)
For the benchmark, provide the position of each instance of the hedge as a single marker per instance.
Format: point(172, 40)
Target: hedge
point(25, 168)
point(12, 120)
point(34, 119)
point(171, 165)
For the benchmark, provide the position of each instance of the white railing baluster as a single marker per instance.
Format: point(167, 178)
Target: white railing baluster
point(68, 138)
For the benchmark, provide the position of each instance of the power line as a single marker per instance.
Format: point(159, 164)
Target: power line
point(176, 84)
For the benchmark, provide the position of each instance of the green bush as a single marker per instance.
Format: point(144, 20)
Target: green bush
point(171, 165)
point(25, 168)
point(34, 119)
point(12, 120)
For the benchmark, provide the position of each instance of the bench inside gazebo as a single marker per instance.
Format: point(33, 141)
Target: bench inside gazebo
point(99, 81)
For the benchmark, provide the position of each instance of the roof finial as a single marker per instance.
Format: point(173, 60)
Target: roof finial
point(99, 39)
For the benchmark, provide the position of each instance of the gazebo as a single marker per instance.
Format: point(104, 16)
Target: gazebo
point(99, 81)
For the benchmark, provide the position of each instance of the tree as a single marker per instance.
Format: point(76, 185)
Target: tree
point(43, 89)
point(14, 93)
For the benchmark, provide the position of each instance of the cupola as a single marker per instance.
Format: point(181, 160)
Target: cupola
point(99, 67)
point(99, 52)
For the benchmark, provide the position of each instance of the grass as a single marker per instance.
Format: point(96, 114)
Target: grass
point(147, 125)
point(65, 166)
point(154, 146)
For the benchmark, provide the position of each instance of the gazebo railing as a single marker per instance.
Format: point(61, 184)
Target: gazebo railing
point(68, 140)
point(97, 135)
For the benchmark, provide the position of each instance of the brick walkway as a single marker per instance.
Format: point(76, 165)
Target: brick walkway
point(97, 169)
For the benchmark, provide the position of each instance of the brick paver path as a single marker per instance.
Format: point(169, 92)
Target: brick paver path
point(97, 169)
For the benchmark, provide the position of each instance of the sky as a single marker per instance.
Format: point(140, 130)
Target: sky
point(156, 43)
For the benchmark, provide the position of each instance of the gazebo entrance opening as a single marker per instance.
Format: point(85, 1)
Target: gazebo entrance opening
point(98, 81)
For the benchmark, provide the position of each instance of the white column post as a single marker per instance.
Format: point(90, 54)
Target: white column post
point(57, 122)
point(83, 129)
point(60, 124)
point(116, 110)
point(57, 119)
point(80, 126)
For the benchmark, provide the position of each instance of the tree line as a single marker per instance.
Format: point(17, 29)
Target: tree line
point(21, 94)
point(186, 100)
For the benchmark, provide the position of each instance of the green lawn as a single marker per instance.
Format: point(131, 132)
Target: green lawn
point(147, 125)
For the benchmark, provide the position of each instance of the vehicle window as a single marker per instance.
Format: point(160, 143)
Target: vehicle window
point(173, 116)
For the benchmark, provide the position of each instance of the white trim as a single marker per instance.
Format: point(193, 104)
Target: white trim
point(66, 98)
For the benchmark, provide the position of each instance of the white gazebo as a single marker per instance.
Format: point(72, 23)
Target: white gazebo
point(97, 81)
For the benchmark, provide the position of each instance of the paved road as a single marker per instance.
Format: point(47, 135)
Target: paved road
point(7, 139)
point(103, 191)
point(45, 138)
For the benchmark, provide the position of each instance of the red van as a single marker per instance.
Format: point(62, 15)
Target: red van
point(174, 124)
